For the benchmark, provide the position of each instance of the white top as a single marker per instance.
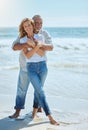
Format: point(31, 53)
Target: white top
point(35, 57)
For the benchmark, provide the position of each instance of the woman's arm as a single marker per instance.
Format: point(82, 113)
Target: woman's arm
point(40, 52)
point(30, 53)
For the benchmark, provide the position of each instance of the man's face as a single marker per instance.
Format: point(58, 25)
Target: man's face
point(38, 24)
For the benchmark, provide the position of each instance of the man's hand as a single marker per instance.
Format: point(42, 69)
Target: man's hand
point(40, 52)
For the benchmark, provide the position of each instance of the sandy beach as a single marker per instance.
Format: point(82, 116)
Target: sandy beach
point(71, 115)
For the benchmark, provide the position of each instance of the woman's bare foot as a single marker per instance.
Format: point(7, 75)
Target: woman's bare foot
point(52, 121)
point(34, 112)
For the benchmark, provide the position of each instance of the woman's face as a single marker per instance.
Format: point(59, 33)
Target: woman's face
point(28, 27)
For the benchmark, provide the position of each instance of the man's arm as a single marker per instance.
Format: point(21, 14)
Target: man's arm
point(17, 46)
point(47, 45)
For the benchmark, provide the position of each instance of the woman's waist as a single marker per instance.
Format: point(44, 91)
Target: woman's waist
point(36, 59)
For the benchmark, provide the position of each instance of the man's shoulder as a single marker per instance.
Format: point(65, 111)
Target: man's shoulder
point(44, 32)
point(17, 40)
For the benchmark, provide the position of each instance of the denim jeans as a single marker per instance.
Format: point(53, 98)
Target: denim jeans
point(22, 87)
point(37, 74)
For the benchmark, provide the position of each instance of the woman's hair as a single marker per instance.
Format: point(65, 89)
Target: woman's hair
point(22, 32)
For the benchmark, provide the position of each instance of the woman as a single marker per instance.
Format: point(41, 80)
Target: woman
point(36, 65)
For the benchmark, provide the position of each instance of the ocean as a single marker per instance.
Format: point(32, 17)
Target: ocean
point(70, 47)
point(67, 81)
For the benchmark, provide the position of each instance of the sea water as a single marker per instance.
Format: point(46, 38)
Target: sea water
point(67, 81)
point(70, 47)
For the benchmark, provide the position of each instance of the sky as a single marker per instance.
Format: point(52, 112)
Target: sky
point(54, 12)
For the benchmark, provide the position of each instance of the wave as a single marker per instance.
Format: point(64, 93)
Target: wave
point(68, 47)
point(60, 65)
point(6, 42)
point(71, 43)
point(3, 46)
point(7, 36)
point(69, 65)
point(9, 68)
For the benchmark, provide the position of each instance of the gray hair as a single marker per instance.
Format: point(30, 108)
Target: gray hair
point(36, 16)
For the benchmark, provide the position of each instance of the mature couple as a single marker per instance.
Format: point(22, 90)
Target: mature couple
point(33, 42)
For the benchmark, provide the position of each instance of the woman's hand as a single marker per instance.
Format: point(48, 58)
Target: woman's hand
point(31, 43)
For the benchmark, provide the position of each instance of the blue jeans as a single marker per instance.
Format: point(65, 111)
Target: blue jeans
point(37, 74)
point(22, 87)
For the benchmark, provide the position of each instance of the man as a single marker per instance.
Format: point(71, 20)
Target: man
point(23, 80)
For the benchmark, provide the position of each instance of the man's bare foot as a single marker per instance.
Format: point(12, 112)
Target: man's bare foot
point(39, 109)
point(52, 121)
point(15, 115)
point(34, 112)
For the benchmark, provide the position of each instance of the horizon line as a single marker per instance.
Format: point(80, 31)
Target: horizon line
point(49, 26)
